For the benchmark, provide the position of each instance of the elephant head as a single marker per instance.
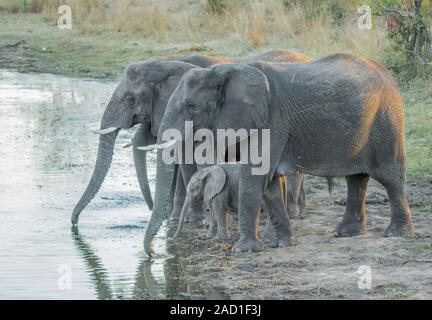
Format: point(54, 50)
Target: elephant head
point(204, 185)
point(140, 98)
point(226, 96)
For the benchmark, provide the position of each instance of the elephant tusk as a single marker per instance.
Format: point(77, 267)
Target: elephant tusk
point(128, 145)
point(158, 146)
point(105, 131)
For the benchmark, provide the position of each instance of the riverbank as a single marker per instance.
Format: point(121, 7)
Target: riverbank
point(28, 44)
point(317, 265)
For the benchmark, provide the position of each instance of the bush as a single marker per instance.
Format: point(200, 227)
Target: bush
point(217, 6)
point(410, 36)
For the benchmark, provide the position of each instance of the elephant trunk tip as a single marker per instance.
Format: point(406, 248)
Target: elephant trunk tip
point(148, 246)
point(149, 250)
point(75, 217)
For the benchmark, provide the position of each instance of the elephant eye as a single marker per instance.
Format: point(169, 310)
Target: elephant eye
point(131, 100)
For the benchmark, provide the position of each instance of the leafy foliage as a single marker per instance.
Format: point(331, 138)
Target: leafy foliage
point(409, 34)
point(217, 6)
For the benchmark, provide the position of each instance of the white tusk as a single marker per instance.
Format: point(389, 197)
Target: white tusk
point(128, 145)
point(158, 146)
point(104, 131)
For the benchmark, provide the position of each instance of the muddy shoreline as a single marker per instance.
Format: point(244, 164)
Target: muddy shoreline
point(317, 265)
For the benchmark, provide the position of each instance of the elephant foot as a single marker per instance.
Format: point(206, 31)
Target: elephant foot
point(247, 245)
point(175, 214)
point(350, 229)
point(293, 211)
point(195, 214)
point(280, 242)
point(400, 230)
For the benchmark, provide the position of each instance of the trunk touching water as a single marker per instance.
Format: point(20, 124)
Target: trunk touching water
point(103, 162)
point(163, 198)
point(140, 160)
point(164, 193)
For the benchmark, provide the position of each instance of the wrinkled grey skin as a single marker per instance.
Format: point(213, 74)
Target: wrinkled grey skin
point(216, 189)
point(342, 115)
point(141, 98)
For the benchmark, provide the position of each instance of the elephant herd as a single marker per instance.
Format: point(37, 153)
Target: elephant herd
point(341, 115)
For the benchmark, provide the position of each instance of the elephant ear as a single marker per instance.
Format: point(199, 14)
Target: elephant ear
point(245, 97)
point(165, 76)
point(215, 182)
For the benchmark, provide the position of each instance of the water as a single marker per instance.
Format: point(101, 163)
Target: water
point(47, 155)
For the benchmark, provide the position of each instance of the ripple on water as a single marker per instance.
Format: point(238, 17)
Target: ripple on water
point(47, 157)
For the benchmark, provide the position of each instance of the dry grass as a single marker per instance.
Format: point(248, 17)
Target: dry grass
point(251, 24)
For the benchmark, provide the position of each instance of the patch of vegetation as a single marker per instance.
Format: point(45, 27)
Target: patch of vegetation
point(418, 110)
point(419, 247)
point(427, 210)
point(217, 6)
point(408, 29)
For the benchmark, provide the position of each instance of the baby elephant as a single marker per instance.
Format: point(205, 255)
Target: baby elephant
point(215, 189)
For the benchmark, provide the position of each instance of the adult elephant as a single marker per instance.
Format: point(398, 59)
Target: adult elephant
point(141, 98)
point(342, 115)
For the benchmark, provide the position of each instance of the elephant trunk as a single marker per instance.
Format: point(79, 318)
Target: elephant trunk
point(140, 160)
point(164, 193)
point(163, 198)
point(185, 208)
point(103, 162)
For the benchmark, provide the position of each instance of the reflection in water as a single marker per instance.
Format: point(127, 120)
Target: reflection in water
point(146, 286)
point(97, 272)
point(47, 156)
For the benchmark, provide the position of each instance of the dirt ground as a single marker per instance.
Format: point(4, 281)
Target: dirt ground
point(317, 265)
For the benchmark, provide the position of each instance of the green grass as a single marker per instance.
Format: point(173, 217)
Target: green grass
point(427, 210)
point(73, 53)
point(418, 110)
point(419, 247)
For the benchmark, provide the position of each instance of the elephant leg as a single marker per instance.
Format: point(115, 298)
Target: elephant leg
point(401, 220)
point(274, 202)
point(251, 190)
point(354, 220)
point(295, 190)
point(269, 232)
point(212, 227)
point(302, 197)
point(219, 213)
point(179, 197)
point(195, 213)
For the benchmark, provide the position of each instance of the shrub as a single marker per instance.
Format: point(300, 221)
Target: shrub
point(409, 34)
point(217, 6)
